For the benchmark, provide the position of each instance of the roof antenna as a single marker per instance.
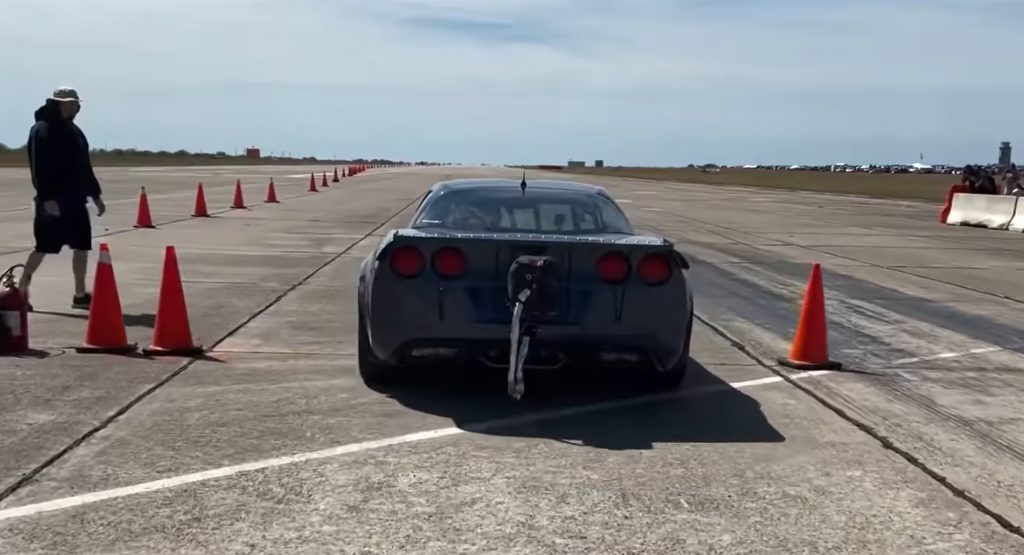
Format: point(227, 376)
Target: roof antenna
point(523, 184)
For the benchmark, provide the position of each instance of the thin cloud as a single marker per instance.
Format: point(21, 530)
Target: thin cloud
point(645, 81)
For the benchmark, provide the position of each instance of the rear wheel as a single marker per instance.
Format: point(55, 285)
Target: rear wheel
point(372, 369)
point(672, 377)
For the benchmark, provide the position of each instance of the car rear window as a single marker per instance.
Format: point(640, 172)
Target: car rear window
point(538, 211)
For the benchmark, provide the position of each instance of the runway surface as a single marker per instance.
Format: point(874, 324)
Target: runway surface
point(272, 443)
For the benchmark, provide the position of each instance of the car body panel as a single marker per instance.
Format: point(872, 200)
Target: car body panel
point(471, 314)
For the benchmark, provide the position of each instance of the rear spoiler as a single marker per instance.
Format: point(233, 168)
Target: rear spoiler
point(683, 262)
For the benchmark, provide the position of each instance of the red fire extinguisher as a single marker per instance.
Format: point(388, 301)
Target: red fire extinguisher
point(13, 314)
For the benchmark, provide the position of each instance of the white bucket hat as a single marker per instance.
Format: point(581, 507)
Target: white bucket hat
point(65, 94)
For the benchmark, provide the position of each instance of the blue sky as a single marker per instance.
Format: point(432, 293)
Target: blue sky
point(647, 82)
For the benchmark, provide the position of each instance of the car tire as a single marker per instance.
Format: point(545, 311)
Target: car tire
point(671, 378)
point(372, 369)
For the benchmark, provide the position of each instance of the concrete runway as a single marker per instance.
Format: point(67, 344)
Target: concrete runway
point(272, 443)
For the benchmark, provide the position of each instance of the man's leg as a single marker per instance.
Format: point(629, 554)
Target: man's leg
point(79, 237)
point(79, 264)
point(35, 258)
point(47, 232)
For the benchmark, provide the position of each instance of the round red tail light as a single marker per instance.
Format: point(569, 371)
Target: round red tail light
point(449, 262)
point(613, 267)
point(654, 269)
point(407, 261)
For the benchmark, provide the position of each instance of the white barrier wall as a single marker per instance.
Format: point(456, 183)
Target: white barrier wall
point(991, 211)
point(1017, 222)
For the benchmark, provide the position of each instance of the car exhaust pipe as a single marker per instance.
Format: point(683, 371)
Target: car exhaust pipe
point(434, 352)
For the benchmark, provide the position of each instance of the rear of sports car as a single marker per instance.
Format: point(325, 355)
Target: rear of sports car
point(444, 299)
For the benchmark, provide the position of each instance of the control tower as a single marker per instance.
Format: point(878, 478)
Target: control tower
point(1004, 154)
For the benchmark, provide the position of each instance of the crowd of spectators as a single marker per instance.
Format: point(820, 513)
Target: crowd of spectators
point(982, 180)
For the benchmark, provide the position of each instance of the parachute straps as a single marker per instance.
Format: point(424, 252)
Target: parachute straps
point(519, 346)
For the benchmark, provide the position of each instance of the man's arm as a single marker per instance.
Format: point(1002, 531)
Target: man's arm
point(40, 155)
point(92, 185)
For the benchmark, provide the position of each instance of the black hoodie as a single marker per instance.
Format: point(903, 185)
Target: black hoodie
point(58, 155)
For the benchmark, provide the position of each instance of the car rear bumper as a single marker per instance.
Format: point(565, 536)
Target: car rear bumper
point(546, 353)
point(552, 347)
point(405, 320)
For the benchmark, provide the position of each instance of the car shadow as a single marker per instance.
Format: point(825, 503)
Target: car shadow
point(599, 410)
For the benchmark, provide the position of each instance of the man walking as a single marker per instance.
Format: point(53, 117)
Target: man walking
point(62, 174)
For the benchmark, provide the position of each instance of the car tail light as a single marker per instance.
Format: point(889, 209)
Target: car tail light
point(654, 269)
point(449, 262)
point(407, 261)
point(612, 267)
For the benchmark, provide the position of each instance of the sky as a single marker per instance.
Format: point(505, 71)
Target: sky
point(632, 82)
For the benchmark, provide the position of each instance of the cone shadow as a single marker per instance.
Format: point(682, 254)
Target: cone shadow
point(77, 316)
point(140, 320)
point(130, 320)
point(201, 357)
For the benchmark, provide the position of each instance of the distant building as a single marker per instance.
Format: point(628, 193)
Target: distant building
point(577, 164)
point(598, 163)
point(252, 153)
point(1004, 153)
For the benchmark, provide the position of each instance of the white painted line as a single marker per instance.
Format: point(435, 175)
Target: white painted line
point(625, 200)
point(955, 354)
point(653, 209)
point(166, 483)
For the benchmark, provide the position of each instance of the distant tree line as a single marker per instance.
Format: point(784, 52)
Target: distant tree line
point(182, 153)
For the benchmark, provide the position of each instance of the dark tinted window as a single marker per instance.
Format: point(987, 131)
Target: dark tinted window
point(508, 210)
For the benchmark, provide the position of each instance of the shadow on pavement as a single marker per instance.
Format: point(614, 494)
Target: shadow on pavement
point(30, 353)
point(704, 409)
point(130, 320)
point(140, 320)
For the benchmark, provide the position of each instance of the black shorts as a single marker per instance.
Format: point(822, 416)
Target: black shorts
point(72, 228)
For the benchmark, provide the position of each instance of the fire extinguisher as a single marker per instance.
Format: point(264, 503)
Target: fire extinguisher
point(13, 314)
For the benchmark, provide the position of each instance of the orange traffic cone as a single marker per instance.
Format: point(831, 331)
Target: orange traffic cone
point(809, 350)
point(336, 178)
point(172, 334)
point(324, 182)
point(312, 184)
point(271, 193)
point(200, 209)
point(105, 332)
point(239, 201)
point(144, 219)
point(344, 172)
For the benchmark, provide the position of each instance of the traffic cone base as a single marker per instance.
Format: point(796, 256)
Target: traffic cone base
point(172, 334)
point(192, 351)
point(120, 350)
point(105, 331)
point(796, 365)
point(809, 350)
